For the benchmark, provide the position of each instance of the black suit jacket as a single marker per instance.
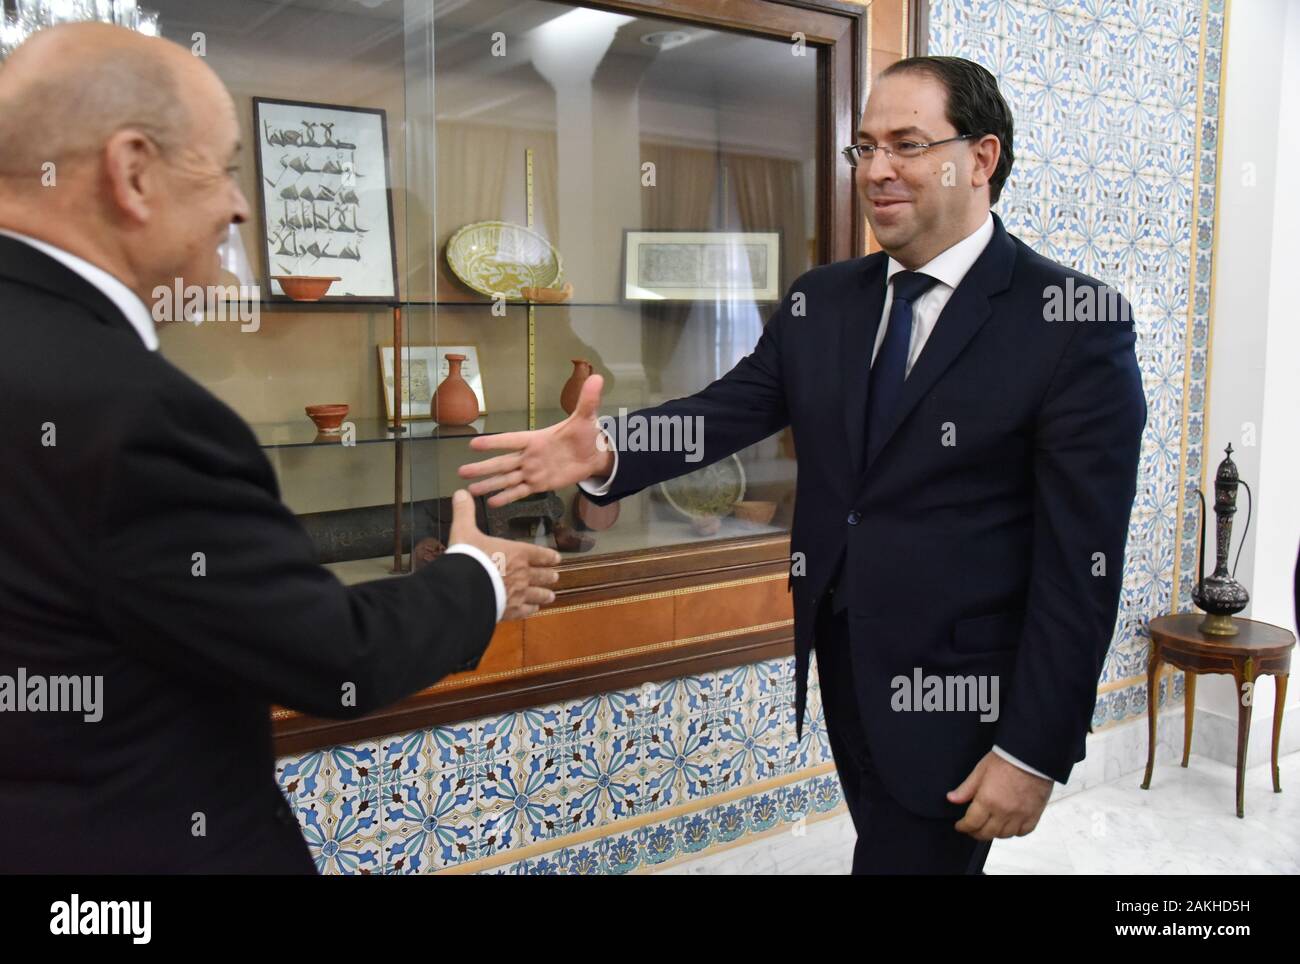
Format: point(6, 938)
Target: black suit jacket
point(97, 577)
point(985, 538)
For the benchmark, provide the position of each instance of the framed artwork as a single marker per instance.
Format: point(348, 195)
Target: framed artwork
point(701, 265)
point(423, 369)
point(325, 198)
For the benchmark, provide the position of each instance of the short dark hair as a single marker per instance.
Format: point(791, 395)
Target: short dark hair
point(975, 105)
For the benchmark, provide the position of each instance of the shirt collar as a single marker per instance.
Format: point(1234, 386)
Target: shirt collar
point(122, 297)
point(950, 265)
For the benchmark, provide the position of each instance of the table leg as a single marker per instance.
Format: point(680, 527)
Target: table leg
point(1153, 698)
point(1279, 702)
point(1245, 684)
point(1189, 712)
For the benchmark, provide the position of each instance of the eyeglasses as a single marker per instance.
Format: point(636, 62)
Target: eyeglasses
point(904, 150)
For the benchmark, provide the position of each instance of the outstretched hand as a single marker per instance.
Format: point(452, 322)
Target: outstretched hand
point(526, 569)
point(545, 459)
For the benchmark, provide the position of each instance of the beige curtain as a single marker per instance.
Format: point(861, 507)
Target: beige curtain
point(681, 200)
point(471, 175)
point(769, 196)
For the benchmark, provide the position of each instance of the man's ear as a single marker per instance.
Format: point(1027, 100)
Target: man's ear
point(987, 151)
point(132, 168)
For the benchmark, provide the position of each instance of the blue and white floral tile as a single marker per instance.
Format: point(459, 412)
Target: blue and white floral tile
point(428, 825)
point(343, 833)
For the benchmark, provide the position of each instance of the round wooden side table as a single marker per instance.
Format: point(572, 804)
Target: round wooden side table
point(1257, 650)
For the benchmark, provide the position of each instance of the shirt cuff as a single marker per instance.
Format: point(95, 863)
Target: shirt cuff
point(589, 485)
point(1024, 766)
point(498, 584)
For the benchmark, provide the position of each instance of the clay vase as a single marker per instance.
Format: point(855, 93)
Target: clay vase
point(454, 402)
point(572, 388)
point(588, 515)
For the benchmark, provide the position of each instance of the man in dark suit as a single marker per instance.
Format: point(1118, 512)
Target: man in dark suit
point(155, 595)
point(968, 436)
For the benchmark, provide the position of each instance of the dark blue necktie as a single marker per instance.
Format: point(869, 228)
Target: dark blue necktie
point(890, 366)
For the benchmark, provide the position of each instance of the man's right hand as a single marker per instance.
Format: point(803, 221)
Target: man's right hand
point(524, 567)
point(545, 459)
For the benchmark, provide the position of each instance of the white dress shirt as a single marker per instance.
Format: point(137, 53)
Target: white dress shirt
point(498, 584)
point(948, 267)
point(135, 311)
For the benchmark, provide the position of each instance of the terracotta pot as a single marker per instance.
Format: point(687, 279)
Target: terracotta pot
point(305, 287)
point(573, 387)
point(454, 402)
point(755, 513)
point(588, 515)
point(328, 418)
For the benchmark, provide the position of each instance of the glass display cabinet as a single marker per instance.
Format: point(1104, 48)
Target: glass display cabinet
point(499, 197)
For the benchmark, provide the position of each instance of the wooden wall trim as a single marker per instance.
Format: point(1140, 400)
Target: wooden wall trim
point(298, 734)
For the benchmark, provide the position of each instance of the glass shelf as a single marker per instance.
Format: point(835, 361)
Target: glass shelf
point(275, 435)
point(444, 303)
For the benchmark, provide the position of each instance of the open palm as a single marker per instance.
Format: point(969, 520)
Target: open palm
point(544, 459)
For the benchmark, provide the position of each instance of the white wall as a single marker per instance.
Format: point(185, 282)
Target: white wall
point(1255, 352)
point(1279, 519)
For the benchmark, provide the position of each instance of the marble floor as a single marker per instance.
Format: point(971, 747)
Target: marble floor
point(1185, 824)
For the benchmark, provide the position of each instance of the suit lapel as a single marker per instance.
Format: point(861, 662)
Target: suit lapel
point(961, 319)
point(860, 323)
point(25, 265)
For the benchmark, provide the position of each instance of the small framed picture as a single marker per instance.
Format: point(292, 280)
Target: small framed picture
point(325, 199)
point(701, 265)
point(423, 369)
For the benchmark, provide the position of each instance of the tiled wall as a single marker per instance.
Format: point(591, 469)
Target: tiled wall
point(1117, 121)
point(606, 784)
point(1117, 115)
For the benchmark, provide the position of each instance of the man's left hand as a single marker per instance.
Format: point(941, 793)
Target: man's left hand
point(1005, 801)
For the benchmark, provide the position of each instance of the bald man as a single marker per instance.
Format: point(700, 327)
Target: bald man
point(155, 595)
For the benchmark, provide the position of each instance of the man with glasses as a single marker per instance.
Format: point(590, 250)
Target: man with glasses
point(967, 461)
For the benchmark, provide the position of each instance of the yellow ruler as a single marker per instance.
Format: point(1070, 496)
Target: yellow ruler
point(532, 321)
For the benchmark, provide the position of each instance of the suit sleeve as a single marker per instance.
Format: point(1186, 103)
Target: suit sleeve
point(1087, 446)
point(204, 571)
point(744, 406)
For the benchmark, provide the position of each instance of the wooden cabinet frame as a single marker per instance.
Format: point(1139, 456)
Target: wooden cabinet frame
point(623, 619)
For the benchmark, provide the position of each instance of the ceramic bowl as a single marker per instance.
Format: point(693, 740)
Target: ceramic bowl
point(305, 287)
point(328, 418)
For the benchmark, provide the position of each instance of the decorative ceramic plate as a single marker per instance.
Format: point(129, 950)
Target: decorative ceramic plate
point(500, 258)
point(712, 490)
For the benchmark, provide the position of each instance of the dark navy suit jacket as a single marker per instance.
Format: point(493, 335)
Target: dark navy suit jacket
point(998, 556)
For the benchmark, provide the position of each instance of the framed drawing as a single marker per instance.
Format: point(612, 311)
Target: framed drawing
point(701, 265)
point(423, 369)
point(324, 196)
